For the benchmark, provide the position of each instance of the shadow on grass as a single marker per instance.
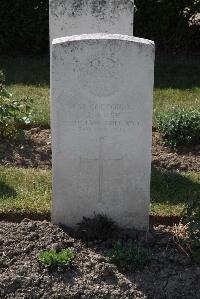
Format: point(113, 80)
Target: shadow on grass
point(173, 188)
point(177, 73)
point(170, 72)
point(6, 191)
point(26, 70)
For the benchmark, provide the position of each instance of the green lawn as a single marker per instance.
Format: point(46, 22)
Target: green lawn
point(177, 82)
point(29, 191)
point(170, 192)
point(24, 190)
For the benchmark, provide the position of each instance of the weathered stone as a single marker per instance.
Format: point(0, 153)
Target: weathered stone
point(74, 17)
point(102, 89)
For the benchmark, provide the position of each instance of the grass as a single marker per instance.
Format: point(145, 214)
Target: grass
point(40, 96)
point(29, 78)
point(25, 190)
point(29, 191)
point(176, 83)
point(170, 192)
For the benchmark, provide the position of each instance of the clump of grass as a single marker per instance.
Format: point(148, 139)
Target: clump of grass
point(57, 260)
point(129, 255)
point(100, 227)
point(179, 126)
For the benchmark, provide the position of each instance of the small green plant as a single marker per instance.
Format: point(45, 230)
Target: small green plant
point(192, 220)
point(13, 114)
point(100, 227)
point(129, 255)
point(179, 126)
point(57, 260)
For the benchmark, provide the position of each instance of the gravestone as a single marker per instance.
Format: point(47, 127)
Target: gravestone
point(74, 17)
point(102, 90)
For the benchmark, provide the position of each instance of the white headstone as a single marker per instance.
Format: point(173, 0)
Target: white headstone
point(74, 17)
point(102, 90)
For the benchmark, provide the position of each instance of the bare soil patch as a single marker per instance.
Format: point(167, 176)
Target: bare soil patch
point(183, 158)
point(35, 151)
point(171, 273)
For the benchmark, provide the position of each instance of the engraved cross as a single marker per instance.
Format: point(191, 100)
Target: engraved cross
point(101, 161)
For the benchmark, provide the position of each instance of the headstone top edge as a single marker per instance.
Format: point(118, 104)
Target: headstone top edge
point(103, 36)
point(130, 1)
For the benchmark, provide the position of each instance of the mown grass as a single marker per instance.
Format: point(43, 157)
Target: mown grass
point(29, 191)
point(177, 82)
point(25, 190)
point(170, 192)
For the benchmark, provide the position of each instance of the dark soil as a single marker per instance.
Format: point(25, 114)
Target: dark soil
point(35, 151)
point(19, 216)
point(183, 158)
point(171, 273)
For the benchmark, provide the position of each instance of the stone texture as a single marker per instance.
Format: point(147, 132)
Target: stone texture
point(102, 89)
point(74, 17)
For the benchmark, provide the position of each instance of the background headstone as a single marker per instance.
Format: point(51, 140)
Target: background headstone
point(102, 90)
point(74, 17)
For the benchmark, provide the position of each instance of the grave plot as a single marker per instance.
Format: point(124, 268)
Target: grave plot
point(156, 274)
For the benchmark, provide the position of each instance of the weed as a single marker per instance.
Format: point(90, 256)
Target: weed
point(100, 227)
point(192, 219)
point(128, 255)
point(179, 126)
point(57, 260)
point(13, 113)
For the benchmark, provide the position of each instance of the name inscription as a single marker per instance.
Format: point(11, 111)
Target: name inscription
point(102, 116)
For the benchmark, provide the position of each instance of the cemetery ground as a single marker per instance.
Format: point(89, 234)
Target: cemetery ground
point(25, 192)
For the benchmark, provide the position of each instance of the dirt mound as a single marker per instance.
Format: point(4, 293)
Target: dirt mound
point(183, 158)
point(34, 151)
point(170, 274)
point(22, 277)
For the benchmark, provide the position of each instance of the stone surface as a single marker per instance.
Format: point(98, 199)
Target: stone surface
point(102, 87)
point(74, 17)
